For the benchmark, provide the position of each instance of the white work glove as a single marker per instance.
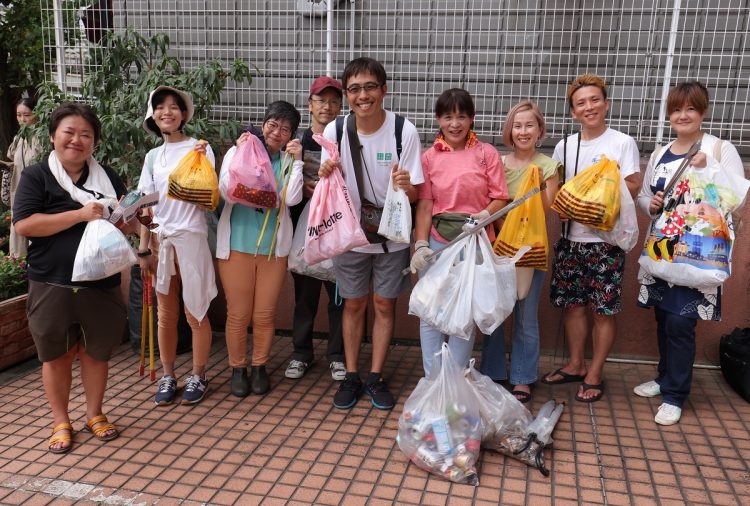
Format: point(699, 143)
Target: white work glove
point(481, 215)
point(419, 260)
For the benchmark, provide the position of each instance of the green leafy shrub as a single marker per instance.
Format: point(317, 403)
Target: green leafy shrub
point(119, 89)
point(12, 277)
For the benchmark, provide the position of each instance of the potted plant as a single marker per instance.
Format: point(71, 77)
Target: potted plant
point(15, 339)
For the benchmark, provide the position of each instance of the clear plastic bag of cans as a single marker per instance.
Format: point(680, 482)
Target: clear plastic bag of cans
point(440, 429)
point(508, 427)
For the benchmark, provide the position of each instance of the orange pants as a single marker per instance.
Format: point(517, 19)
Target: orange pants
point(252, 284)
point(169, 313)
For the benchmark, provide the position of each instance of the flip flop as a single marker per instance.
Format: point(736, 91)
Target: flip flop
point(564, 377)
point(587, 387)
point(521, 396)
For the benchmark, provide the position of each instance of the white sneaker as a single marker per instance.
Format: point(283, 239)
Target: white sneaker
point(296, 369)
point(649, 389)
point(338, 371)
point(668, 414)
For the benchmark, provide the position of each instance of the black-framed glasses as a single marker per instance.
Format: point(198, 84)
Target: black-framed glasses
point(320, 102)
point(356, 89)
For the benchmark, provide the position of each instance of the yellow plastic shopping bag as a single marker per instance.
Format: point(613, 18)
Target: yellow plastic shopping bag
point(194, 180)
point(593, 196)
point(526, 226)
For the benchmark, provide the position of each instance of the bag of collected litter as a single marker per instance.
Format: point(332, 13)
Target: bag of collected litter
point(439, 428)
point(395, 222)
point(507, 426)
point(443, 295)
point(494, 292)
point(102, 252)
point(593, 196)
point(332, 226)
point(296, 262)
point(625, 232)
point(194, 180)
point(526, 225)
point(252, 181)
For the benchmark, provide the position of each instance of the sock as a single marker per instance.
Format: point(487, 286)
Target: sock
point(373, 377)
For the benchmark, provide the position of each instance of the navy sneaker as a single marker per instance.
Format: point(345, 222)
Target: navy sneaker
point(195, 389)
point(379, 394)
point(348, 392)
point(166, 392)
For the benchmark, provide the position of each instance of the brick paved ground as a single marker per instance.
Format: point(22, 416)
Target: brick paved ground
point(292, 447)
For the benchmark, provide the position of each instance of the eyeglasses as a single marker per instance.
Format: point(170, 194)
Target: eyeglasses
point(355, 89)
point(321, 102)
point(272, 125)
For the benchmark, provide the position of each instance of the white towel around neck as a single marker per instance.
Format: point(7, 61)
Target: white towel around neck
point(97, 181)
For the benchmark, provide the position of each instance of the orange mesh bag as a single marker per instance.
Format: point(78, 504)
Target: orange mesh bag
point(526, 225)
point(593, 196)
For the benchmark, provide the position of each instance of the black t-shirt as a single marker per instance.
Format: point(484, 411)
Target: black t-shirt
point(50, 259)
point(311, 156)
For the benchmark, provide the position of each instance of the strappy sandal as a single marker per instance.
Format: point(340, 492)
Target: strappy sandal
point(61, 438)
point(100, 432)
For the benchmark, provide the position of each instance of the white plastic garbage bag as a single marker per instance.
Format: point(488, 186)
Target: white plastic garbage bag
point(442, 296)
point(102, 252)
point(439, 428)
point(395, 222)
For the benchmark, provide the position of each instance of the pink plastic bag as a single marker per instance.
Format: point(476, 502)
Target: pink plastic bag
point(332, 227)
point(252, 181)
point(328, 145)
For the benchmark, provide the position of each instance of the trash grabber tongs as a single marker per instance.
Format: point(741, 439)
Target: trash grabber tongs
point(150, 300)
point(144, 323)
point(479, 226)
point(678, 173)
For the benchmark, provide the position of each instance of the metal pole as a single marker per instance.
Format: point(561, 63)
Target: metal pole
point(351, 30)
point(656, 362)
point(59, 44)
point(329, 38)
point(661, 123)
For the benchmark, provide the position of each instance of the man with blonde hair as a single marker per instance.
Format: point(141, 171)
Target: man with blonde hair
point(587, 272)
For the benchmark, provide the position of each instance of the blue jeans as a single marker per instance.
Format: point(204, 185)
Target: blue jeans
point(524, 357)
point(676, 336)
point(431, 339)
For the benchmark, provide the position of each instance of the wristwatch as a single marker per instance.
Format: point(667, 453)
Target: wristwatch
point(142, 254)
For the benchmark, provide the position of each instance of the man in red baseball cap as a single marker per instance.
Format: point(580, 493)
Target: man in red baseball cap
point(324, 103)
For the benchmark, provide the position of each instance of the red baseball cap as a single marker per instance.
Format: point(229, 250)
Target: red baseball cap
point(323, 82)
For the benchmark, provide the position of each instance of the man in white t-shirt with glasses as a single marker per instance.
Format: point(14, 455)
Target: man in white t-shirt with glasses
point(380, 263)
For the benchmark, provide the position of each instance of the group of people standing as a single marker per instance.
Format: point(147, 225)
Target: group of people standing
point(458, 177)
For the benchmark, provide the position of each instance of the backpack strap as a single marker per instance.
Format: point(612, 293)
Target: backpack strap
point(339, 130)
point(398, 130)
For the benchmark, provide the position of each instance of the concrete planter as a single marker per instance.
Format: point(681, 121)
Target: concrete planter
point(16, 344)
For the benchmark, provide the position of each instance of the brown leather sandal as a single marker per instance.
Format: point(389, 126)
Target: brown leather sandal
point(61, 438)
point(100, 432)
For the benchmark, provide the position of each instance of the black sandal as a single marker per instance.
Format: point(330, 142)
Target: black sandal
point(564, 377)
point(521, 396)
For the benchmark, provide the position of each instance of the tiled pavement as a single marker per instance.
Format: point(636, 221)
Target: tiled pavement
point(291, 446)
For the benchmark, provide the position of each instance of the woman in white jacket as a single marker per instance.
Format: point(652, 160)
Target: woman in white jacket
point(252, 262)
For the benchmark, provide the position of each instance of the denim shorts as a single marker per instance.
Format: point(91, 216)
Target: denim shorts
point(587, 274)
